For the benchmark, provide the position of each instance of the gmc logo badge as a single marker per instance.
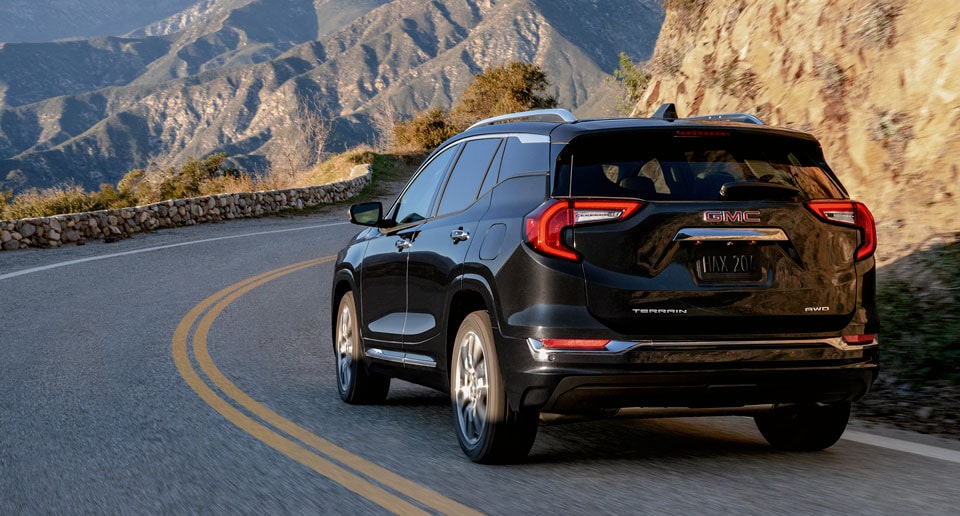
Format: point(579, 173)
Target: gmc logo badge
point(731, 216)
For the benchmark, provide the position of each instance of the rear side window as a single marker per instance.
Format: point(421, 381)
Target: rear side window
point(467, 174)
point(693, 166)
point(521, 159)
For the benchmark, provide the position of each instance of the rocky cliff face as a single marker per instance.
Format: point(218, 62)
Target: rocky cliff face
point(877, 81)
point(230, 78)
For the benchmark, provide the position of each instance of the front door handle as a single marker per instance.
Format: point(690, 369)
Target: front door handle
point(403, 243)
point(459, 235)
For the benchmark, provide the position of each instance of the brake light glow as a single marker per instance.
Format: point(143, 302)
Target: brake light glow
point(578, 344)
point(543, 228)
point(867, 338)
point(850, 213)
point(700, 132)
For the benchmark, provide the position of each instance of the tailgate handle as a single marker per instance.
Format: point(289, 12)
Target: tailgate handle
point(729, 234)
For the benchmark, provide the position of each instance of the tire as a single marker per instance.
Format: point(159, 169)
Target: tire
point(489, 432)
point(804, 427)
point(357, 386)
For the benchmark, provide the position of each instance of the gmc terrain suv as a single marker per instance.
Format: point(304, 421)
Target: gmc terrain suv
point(538, 266)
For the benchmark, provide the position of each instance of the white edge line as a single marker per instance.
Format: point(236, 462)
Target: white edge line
point(903, 446)
point(157, 248)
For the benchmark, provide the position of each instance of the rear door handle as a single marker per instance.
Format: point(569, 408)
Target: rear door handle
point(459, 235)
point(403, 243)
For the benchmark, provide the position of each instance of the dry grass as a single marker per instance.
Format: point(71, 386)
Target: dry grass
point(139, 187)
point(337, 167)
point(49, 201)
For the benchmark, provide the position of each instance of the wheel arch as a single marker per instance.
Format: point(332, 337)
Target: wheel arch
point(474, 295)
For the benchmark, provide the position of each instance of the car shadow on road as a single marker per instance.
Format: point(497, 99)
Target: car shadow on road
point(644, 439)
point(597, 440)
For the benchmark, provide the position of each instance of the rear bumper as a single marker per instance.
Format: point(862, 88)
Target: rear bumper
point(703, 374)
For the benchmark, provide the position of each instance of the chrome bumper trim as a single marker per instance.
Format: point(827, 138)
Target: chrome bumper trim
point(730, 234)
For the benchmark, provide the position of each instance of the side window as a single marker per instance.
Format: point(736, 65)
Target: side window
point(491, 179)
point(416, 201)
point(524, 158)
point(468, 173)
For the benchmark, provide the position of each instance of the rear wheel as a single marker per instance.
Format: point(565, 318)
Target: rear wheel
point(488, 430)
point(804, 427)
point(355, 383)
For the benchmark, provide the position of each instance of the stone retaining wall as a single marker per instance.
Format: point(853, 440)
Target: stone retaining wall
point(120, 223)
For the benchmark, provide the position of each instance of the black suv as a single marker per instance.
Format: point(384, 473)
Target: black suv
point(538, 266)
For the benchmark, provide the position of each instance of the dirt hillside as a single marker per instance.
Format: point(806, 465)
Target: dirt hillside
point(877, 81)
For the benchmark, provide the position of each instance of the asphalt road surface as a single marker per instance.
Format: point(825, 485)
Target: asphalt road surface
point(191, 371)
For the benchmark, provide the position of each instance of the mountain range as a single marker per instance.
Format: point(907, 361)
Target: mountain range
point(228, 75)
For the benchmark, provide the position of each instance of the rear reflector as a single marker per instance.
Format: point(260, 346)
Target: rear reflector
point(860, 339)
point(850, 213)
point(580, 344)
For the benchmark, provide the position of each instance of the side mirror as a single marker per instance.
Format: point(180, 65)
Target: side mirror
point(366, 214)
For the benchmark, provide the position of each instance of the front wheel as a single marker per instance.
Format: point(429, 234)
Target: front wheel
point(488, 430)
point(804, 427)
point(356, 384)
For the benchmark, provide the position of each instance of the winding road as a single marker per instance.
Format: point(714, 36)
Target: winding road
point(191, 371)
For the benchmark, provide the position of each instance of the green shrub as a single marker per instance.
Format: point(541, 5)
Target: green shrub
point(920, 318)
point(189, 180)
point(360, 157)
point(110, 198)
point(633, 80)
point(426, 130)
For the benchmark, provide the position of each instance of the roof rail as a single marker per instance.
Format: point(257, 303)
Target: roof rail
point(745, 118)
point(561, 115)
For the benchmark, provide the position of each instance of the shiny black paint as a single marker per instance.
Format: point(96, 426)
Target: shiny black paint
point(626, 265)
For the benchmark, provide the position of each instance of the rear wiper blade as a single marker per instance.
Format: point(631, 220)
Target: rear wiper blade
point(758, 191)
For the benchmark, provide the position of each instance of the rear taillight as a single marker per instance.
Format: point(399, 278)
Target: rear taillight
point(850, 213)
point(578, 344)
point(860, 340)
point(544, 227)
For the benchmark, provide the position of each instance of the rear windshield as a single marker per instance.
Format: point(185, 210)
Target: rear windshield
point(693, 166)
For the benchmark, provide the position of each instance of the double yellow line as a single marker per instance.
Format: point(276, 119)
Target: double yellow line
point(375, 483)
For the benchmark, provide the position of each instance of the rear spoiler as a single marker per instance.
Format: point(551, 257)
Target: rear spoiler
point(669, 112)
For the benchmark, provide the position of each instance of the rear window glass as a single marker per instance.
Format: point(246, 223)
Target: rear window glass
point(663, 166)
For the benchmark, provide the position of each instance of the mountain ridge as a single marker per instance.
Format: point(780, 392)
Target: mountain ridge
point(399, 55)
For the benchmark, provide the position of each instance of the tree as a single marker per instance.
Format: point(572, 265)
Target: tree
point(508, 88)
point(426, 130)
point(299, 145)
point(498, 90)
point(632, 79)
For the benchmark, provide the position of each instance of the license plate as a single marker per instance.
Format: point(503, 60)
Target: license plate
point(728, 266)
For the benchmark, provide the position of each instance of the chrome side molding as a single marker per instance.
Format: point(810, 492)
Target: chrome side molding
point(401, 358)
